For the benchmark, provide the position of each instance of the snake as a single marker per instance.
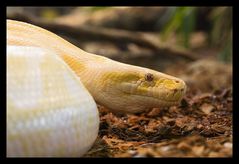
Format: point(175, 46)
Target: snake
point(53, 88)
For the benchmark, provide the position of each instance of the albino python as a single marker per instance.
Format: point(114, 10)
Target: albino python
point(53, 87)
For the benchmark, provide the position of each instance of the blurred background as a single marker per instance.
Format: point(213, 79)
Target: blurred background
point(193, 43)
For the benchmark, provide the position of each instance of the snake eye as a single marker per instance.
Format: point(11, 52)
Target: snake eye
point(149, 77)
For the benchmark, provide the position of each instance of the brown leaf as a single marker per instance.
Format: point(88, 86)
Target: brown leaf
point(154, 112)
point(207, 108)
point(184, 146)
point(198, 150)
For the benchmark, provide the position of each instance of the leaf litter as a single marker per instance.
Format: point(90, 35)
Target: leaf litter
point(201, 126)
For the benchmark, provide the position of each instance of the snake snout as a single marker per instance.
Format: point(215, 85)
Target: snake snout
point(176, 92)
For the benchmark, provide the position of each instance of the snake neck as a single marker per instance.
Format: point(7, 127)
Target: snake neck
point(89, 68)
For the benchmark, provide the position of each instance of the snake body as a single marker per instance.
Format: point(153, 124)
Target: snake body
point(53, 87)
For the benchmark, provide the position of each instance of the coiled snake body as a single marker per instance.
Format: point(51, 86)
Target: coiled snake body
point(53, 87)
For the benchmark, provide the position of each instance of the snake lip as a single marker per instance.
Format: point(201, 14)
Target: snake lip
point(154, 98)
point(162, 102)
point(160, 98)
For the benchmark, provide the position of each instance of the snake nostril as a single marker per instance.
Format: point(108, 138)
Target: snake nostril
point(177, 81)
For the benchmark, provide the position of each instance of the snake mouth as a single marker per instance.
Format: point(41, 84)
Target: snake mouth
point(165, 91)
point(152, 101)
point(158, 101)
point(156, 95)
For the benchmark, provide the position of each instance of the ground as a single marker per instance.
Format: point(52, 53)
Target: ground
point(201, 126)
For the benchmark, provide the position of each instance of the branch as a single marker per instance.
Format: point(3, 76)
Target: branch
point(113, 35)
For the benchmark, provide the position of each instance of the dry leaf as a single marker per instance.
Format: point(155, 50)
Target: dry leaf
point(207, 108)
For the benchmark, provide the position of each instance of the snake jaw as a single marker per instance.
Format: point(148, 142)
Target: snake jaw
point(128, 91)
point(169, 90)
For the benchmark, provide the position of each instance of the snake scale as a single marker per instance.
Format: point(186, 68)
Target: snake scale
point(53, 87)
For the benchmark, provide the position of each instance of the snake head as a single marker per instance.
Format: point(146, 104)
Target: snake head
point(139, 89)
